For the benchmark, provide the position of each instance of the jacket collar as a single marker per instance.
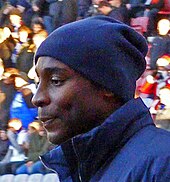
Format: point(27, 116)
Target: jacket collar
point(86, 153)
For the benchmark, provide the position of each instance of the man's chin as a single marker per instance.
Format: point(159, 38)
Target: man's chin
point(56, 139)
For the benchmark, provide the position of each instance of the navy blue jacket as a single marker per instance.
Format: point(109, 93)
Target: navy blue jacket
point(127, 147)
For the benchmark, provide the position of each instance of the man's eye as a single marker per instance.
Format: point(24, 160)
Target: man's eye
point(57, 81)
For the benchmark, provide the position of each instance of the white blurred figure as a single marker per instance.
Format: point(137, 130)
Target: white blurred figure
point(163, 26)
point(16, 154)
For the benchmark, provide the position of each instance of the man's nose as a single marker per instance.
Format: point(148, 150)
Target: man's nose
point(41, 98)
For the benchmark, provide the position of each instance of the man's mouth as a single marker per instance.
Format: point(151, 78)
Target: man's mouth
point(46, 121)
point(50, 123)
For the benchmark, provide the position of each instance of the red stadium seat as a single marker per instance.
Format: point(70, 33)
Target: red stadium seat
point(166, 9)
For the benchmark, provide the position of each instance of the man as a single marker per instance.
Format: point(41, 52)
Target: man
point(4, 142)
point(115, 9)
point(62, 12)
point(87, 72)
point(160, 45)
point(83, 7)
point(37, 145)
point(145, 8)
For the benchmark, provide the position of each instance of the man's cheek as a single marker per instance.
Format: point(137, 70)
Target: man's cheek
point(66, 102)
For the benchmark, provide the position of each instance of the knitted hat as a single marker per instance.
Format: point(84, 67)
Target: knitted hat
point(102, 49)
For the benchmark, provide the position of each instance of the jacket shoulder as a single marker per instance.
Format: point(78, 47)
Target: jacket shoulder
point(145, 157)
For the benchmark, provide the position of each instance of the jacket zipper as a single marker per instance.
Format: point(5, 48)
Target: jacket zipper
point(48, 167)
point(79, 173)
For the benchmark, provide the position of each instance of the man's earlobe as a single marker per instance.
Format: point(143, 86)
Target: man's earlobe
point(111, 97)
point(109, 94)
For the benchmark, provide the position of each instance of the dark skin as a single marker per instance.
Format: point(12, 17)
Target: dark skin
point(69, 104)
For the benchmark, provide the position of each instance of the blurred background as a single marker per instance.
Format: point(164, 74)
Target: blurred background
point(24, 24)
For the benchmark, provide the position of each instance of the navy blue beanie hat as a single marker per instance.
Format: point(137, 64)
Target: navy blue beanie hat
point(103, 50)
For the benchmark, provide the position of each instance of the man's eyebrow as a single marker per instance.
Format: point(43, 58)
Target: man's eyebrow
point(55, 70)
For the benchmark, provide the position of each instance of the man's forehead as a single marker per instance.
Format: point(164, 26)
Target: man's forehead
point(51, 65)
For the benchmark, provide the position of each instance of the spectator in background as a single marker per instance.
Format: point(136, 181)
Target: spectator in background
point(7, 45)
point(2, 3)
point(161, 43)
point(115, 9)
point(83, 8)
point(14, 28)
point(4, 13)
point(62, 12)
point(21, 58)
point(12, 18)
point(41, 9)
point(37, 25)
point(16, 151)
point(38, 145)
point(38, 38)
point(21, 106)
point(7, 89)
point(152, 7)
point(135, 7)
point(1, 73)
point(148, 8)
point(26, 10)
point(4, 143)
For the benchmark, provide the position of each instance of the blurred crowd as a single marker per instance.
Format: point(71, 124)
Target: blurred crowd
point(24, 24)
point(21, 148)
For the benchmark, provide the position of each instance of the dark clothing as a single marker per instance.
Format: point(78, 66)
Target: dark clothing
point(152, 14)
point(24, 60)
point(10, 168)
point(27, 16)
point(139, 5)
point(138, 8)
point(6, 48)
point(9, 91)
point(37, 146)
point(4, 148)
point(83, 7)
point(127, 147)
point(43, 12)
point(43, 6)
point(157, 5)
point(120, 14)
point(62, 12)
point(160, 47)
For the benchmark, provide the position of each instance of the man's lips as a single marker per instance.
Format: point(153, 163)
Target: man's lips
point(49, 122)
point(46, 120)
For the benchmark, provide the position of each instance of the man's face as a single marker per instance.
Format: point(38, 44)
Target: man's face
point(37, 28)
point(68, 104)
